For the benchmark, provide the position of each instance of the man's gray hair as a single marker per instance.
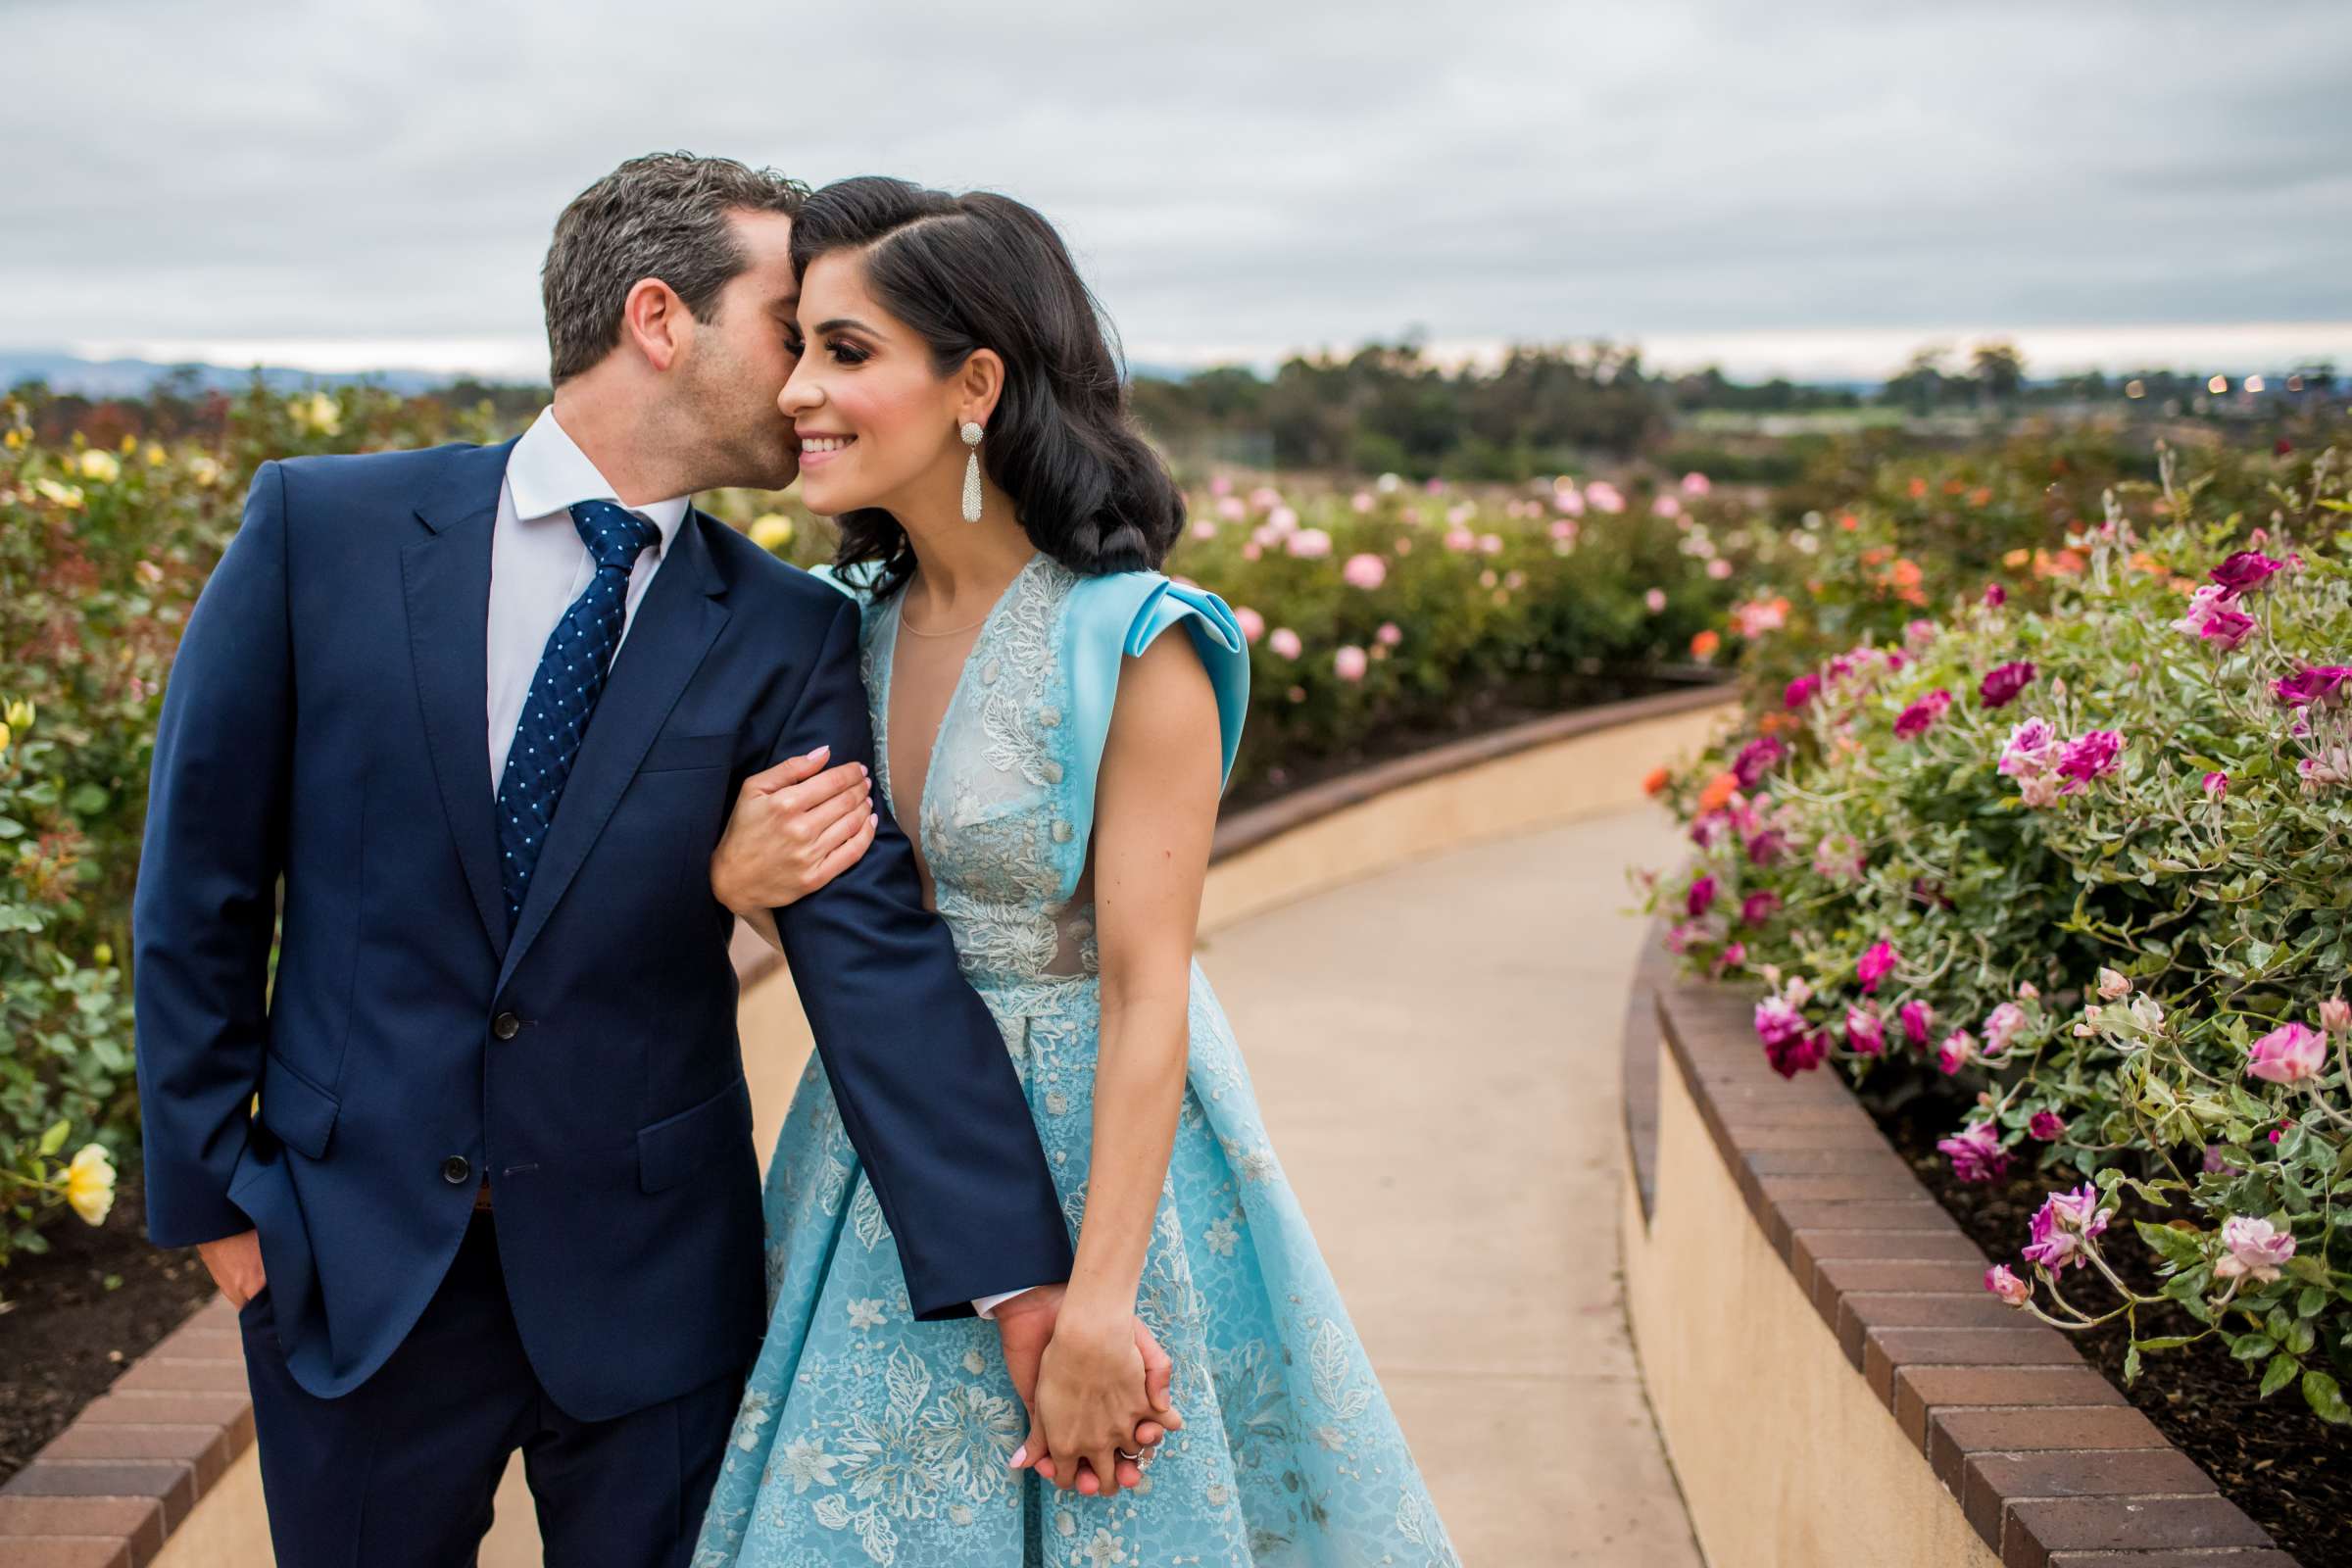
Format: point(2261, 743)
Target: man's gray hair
point(661, 216)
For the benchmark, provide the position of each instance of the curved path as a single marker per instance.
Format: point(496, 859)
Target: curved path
point(1436, 1050)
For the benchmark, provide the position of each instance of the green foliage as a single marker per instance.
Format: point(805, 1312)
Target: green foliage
point(2101, 948)
point(102, 552)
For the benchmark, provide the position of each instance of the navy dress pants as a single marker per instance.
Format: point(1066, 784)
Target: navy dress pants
point(399, 1472)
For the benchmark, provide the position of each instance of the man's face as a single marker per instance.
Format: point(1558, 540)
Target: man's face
point(742, 358)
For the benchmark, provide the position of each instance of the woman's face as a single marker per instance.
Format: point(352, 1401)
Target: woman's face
point(877, 425)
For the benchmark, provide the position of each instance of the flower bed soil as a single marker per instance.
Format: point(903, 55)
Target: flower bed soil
point(2284, 1466)
point(67, 1335)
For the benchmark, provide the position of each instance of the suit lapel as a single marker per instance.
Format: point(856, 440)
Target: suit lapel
point(672, 628)
point(446, 578)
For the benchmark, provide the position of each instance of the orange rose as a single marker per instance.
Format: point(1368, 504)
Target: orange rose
point(1906, 573)
point(1655, 779)
point(1718, 791)
point(1848, 522)
point(1704, 642)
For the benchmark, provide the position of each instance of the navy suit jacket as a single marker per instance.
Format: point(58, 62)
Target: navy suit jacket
point(325, 725)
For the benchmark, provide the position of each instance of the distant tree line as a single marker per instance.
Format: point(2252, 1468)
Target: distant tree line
point(1394, 409)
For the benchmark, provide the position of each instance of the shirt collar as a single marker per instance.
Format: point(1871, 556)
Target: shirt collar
point(548, 474)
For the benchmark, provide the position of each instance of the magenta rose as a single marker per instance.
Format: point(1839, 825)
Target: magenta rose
point(2245, 570)
point(1701, 896)
point(2000, 686)
point(1755, 760)
point(1916, 719)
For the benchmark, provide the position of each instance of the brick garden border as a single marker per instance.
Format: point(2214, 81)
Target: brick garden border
point(2047, 1461)
point(109, 1491)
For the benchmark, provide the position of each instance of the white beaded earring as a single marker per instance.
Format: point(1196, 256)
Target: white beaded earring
point(971, 471)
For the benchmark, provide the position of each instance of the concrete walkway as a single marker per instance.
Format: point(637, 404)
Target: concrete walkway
point(1435, 1051)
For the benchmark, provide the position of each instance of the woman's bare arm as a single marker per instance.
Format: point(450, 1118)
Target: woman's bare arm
point(1155, 811)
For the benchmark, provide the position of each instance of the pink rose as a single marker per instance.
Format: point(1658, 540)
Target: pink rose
point(1284, 641)
point(2255, 1248)
point(2290, 1054)
point(1959, 1047)
point(1254, 625)
point(1350, 662)
point(1367, 571)
point(1977, 1153)
point(2003, 1283)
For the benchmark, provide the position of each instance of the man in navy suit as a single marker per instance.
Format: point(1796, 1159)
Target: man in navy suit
point(484, 711)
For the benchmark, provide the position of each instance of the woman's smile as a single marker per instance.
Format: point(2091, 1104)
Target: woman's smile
point(818, 450)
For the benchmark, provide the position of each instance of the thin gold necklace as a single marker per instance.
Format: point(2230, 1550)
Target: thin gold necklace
point(951, 632)
point(905, 625)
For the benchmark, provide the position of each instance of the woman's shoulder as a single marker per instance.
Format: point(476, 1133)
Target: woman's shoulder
point(1114, 616)
point(1129, 609)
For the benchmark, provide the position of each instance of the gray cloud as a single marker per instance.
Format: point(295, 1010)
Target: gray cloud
point(1242, 175)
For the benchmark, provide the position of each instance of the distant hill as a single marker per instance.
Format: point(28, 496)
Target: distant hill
point(130, 379)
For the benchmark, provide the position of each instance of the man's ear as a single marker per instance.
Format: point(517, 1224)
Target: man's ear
point(654, 320)
point(980, 383)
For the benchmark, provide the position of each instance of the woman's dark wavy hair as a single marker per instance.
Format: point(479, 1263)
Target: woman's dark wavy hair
point(982, 270)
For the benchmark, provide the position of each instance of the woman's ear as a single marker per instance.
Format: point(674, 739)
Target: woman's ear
point(979, 385)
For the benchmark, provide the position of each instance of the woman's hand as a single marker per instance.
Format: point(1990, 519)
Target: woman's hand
point(793, 830)
point(1092, 1398)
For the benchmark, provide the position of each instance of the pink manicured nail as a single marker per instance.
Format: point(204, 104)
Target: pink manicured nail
point(1020, 1456)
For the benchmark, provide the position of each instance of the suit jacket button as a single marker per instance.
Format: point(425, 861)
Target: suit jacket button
point(505, 1026)
point(455, 1171)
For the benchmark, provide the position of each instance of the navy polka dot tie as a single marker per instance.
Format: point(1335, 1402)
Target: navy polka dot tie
point(563, 692)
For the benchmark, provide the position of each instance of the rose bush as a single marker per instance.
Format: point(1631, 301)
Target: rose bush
point(2083, 841)
point(1367, 607)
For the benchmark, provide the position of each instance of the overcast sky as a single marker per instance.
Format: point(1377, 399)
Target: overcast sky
point(1807, 185)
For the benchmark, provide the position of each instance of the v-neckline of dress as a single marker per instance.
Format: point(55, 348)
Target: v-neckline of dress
point(889, 668)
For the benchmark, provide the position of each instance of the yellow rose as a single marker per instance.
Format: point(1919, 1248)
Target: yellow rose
point(64, 495)
point(326, 415)
point(14, 439)
point(771, 530)
point(20, 713)
point(4, 737)
point(155, 454)
point(103, 954)
point(100, 465)
point(90, 1184)
point(130, 444)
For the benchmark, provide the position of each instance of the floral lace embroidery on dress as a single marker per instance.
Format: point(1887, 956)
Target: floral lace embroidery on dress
point(865, 1437)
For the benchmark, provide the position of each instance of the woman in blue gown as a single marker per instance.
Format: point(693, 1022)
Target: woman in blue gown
point(1059, 756)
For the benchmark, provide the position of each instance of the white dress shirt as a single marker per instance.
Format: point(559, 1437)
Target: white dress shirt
point(539, 565)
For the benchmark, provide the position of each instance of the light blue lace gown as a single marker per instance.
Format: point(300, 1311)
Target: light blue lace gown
point(867, 1438)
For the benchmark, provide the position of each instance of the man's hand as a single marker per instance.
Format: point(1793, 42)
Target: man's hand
point(1026, 1326)
point(793, 830)
point(235, 1264)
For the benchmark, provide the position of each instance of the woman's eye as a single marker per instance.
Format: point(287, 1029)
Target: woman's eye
point(846, 353)
point(794, 346)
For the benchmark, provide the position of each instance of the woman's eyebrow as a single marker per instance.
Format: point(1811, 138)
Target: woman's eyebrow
point(840, 321)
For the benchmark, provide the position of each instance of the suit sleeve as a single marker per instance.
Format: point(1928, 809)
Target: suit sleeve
point(926, 1087)
point(206, 907)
